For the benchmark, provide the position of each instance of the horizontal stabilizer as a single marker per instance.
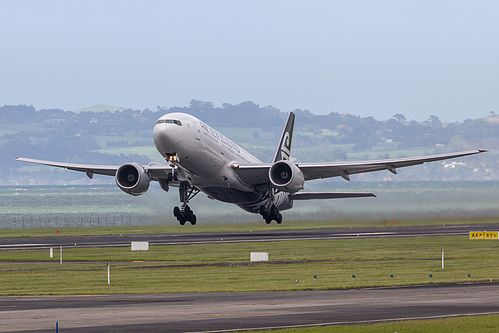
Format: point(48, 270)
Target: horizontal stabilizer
point(328, 195)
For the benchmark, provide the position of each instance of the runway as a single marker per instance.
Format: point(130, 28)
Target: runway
point(275, 235)
point(218, 312)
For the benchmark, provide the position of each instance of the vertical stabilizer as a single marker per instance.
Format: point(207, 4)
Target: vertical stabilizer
point(284, 148)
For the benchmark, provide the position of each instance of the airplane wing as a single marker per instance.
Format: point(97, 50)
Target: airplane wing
point(156, 171)
point(344, 169)
point(253, 174)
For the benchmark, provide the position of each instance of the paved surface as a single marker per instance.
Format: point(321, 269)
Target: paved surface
point(243, 236)
point(242, 311)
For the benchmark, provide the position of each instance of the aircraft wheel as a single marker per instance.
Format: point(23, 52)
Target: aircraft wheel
point(188, 214)
point(176, 212)
point(279, 218)
point(181, 217)
point(273, 211)
point(267, 219)
point(193, 219)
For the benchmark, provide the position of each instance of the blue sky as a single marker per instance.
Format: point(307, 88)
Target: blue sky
point(368, 58)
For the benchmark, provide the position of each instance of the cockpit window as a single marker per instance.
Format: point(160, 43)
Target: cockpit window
point(169, 121)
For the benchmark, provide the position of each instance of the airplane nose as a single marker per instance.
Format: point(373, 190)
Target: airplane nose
point(166, 138)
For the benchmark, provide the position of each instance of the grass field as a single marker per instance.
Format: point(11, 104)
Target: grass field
point(482, 324)
point(226, 267)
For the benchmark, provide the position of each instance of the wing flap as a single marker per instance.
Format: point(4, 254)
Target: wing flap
point(328, 195)
point(160, 171)
point(253, 174)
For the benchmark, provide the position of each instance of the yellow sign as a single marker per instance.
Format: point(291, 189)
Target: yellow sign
point(490, 235)
point(484, 235)
point(476, 234)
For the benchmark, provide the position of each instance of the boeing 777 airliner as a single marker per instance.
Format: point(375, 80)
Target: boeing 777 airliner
point(200, 159)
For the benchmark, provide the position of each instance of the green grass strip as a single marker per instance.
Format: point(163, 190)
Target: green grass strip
point(478, 324)
point(226, 267)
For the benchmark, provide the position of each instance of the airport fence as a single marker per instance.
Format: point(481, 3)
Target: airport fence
point(73, 220)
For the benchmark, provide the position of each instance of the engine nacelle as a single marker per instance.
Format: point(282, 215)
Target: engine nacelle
point(286, 176)
point(132, 179)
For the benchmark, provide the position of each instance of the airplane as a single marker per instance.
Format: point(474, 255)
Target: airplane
point(200, 159)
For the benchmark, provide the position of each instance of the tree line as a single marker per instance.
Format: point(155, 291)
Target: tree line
point(77, 136)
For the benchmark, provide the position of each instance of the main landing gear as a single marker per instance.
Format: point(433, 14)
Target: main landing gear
point(185, 214)
point(270, 214)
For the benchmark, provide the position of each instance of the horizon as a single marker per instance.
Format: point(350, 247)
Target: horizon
point(113, 108)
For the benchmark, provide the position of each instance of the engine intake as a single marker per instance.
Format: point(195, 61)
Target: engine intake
point(131, 178)
point(286, 176)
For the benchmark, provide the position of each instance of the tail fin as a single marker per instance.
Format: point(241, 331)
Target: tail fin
point(284, 148)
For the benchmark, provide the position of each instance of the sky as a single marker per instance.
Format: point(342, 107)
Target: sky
point(367, 58)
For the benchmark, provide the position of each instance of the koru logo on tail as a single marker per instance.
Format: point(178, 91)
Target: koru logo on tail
point(285, 147)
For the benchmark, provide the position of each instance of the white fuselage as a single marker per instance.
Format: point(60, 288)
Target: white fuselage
point(205, 158)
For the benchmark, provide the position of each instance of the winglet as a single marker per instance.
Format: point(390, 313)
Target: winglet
point(284, 149)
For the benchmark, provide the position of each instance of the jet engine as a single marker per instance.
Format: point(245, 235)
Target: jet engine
point(132, 179)
point(286, 176)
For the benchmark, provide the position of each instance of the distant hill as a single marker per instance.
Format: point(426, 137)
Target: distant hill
point(101, 108)
point(104, 134)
